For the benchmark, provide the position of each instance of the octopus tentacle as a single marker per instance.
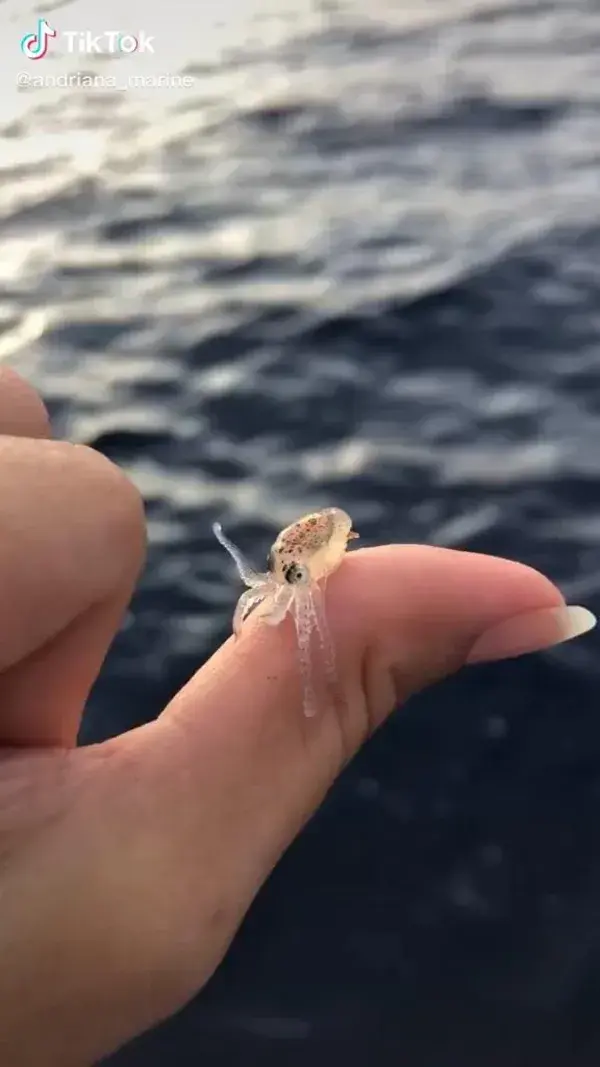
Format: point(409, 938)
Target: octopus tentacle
point(246, 572)
point(321, 625)
point(302, 619)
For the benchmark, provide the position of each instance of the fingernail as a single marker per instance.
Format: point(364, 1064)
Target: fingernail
point(531, 632)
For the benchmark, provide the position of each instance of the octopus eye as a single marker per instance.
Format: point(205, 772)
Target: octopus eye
point(296, 573)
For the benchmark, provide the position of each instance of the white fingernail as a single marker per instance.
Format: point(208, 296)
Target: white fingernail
point(531, 632)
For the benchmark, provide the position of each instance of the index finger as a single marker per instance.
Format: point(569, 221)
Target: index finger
point(71, 546)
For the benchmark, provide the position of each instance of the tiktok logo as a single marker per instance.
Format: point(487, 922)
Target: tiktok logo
point(35, 45)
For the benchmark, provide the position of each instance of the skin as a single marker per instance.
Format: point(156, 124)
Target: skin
point(127, 867)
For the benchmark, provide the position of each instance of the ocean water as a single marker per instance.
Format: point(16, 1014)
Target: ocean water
point(356, 262)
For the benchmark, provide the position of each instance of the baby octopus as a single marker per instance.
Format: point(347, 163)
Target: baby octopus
point(304, 554)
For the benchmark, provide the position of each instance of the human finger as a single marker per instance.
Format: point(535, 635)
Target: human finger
point(22, 411)
point(71, 549)
point(177, 824)
point(216, 789)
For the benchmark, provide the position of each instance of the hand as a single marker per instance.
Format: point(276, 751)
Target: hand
point(126, 867)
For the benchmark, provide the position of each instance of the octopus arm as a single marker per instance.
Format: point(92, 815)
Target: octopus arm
point(321, 625)
point(249, 576)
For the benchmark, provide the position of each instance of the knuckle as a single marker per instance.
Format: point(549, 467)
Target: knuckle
point(121, 507)
point(22, 411)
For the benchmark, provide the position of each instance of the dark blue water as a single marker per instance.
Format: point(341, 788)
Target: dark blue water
point(357, 265)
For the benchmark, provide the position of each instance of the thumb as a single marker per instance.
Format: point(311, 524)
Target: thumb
point(183, 819)
point(234, 768)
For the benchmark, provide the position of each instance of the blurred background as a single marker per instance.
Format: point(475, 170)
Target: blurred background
point(354, 261)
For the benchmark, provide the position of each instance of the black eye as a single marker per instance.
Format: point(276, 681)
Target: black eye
point(295, 573)
point(290, 573)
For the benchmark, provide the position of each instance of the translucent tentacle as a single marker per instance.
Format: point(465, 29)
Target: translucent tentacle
point(302, 619)
point(249, 601)
point(319, 617)
point(266, 600)
point(281, 604)
point(249, 576)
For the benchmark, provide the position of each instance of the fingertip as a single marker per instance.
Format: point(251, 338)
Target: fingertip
point(409, 614)
point(72, 548)
point(22, 411)
point(123, 511)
